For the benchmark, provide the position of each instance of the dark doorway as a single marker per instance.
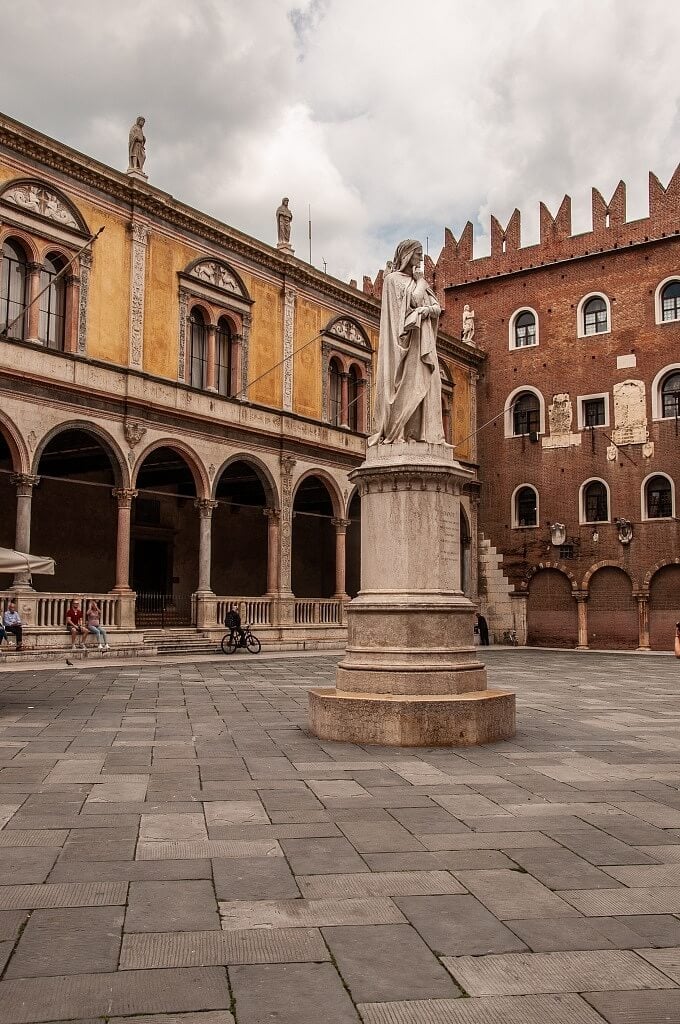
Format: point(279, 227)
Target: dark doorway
point(150, 568)
point(313, 556)
point(239, 533)
point(353, 548)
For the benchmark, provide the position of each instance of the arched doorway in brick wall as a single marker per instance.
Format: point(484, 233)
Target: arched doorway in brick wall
point(551, 611)
point(612, 610)
point(664, 607)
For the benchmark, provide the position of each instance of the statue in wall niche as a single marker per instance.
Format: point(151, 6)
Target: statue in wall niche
point(560, 414)
point(408, 402)
point(283, 218)
point(468, 324)
point(137, 146)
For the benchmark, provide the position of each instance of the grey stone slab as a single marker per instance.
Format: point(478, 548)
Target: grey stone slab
point(378, 883)
point(256, 878)
point(534, 973)
point(196, 1017)
point(509, 894)
point(614, 902)
point(129, 870)
point(449, 860)
point(601, 849)
point(323, 856)
point(62, 894)
point(154, 828)
point(367, 837)
point(210, 948)
point(33, 837)
point(666, 960)
point(565, 933)
point(388, 962)
point(291, 994)
point(637, 1007)
point(653, 929)
point(645, 875)
point(5, 952)
point(31, 1000)
point(242, 914)
point(487, 841)
point(25, 865)
point(254, 833)
point(457, 924)
point(562, 869)
point(188, 905)
point(545, 1009)
point(427, 820)
point(56, 942)
point(207, 848)
point(665, 854)
point(11, 921)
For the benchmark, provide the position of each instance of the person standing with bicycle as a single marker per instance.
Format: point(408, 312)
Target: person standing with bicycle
point(232, 622)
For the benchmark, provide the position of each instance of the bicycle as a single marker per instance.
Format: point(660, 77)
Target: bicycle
point(510, 638)
point(240, 637)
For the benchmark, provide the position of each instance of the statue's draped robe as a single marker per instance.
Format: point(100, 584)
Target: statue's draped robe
point(408, 402)
point(137, 143)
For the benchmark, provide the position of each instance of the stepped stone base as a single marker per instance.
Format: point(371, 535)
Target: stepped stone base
point(404, 720)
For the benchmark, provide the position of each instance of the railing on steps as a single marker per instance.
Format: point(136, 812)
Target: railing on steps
point(314, 611)
point(157, 609)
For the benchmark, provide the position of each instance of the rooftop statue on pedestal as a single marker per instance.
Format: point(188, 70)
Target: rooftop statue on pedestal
point(283, 218)
point(408, 403)
point(468, 324)
point(137, 148)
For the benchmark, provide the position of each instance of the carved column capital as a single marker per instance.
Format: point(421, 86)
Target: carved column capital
point(205, 506)
point(288, 464)
point(340, 524)
point(271, 513)
point(124, 496)
point(24, 482)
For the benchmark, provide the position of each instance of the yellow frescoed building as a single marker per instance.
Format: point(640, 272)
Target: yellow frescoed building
point(180, 410)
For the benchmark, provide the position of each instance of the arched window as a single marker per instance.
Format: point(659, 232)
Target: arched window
point(595, 316)
point(525, 329)
point(525, 512)
point(52, 304)
point(658, 498)
point(224, 354)
point(595, 502)
point(334, 393)
point(198, 349)
point(670, 396)
point(354, 397)
point(526, 414)
point(13, 275)
point(670, 301)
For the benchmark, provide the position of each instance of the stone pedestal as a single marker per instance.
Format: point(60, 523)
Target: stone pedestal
point(410, 675)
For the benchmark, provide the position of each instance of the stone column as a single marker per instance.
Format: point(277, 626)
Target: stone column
point(72, 283)
point(643, 621)
point(241, 384)
point(32, 325)
point(286, 600)
point(211, 361)
point(182, 338)
point(83, 292)
point(273, 533)
point(344, 400)
point(140, 234)
point(582, 608)
point(205, 507)
point(24, 484)
point(124, 496)
point(340, 538)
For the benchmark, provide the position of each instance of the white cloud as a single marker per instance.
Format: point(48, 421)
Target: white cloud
point(389, 118)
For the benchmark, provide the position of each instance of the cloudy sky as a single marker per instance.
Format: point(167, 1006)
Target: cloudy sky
point(390, 118)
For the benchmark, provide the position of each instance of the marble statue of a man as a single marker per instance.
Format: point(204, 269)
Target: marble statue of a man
point(137, 146)
point(283, 219)
point(408, 400)
point(468, 323)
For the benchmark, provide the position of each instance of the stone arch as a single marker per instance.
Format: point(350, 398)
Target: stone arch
point(198, 471)
point(607, 563)
point(656, 567)
point(348, 329)
point(260, 468)
point(44, 200)
point(664, 604)
point(612, 608)
point(109, 443)
point(218, 274)
point(548, 565)
point(331, 484)
point(21, 460)
point(9, 234)
point(552, 615)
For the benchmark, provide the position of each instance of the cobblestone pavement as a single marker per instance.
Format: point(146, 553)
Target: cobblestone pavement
point(175, 844)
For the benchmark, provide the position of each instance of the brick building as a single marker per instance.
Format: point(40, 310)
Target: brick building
point(180, 410)
point(580, 462)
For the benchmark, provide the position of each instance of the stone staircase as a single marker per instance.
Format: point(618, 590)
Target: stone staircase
point(495, 590)
point(181, 641)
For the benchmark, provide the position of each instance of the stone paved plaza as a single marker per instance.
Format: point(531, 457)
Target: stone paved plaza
point(175, 846)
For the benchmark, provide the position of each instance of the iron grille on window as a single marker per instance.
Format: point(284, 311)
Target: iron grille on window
point(595, 316)
point(593, 412)
point(596, 504)
point(525, 330)
point(566, 550)
point(659, 498)
point(526, 415)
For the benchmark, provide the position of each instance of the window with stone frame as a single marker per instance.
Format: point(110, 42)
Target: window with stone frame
point(525, 329)
point(52, 325)
point(345, 385)
point(354, 397)
point(224, 355)
point(526, 414)
point(659, 498)
point(197, 348)
point(595, 502)
point(670, 396)
point(13, 290)
point(526, 507)
point(334, 392)
point(595, 316)
point(670, 301)
point(594, 412)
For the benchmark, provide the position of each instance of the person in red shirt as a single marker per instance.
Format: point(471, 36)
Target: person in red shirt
point(74, 624)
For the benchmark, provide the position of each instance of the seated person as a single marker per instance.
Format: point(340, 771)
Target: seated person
point(232, 621)
point(12, 624)
point(74, 624)
point(3, 634)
